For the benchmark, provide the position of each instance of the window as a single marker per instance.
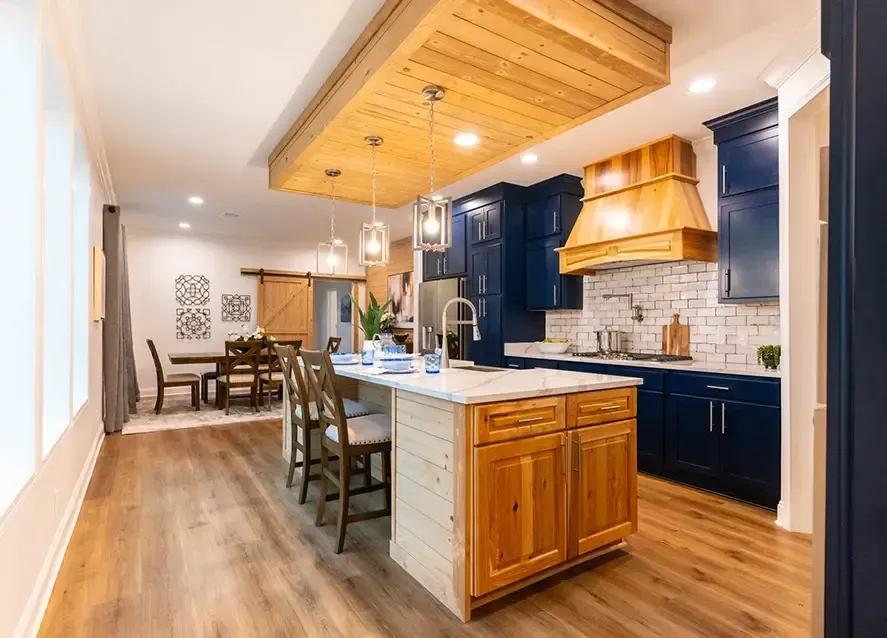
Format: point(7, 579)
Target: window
point(19, 59)
point(45, 210)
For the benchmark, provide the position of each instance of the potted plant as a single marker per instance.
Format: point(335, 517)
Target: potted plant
point(371, 320)
point(769, 356)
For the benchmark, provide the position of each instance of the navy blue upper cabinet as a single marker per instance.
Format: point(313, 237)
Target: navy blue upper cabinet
point(748, 203)
point(543, 274)
point(750, 162)
point(485, 223)
point(552, 211)
point(543, 216)
point(748, 246)
point(485, 270)
point(487, 351)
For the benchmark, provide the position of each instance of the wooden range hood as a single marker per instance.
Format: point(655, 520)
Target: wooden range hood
point(516, 72)
point(640, 206)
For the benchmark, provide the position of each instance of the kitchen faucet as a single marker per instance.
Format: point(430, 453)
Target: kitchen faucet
point(445, 354)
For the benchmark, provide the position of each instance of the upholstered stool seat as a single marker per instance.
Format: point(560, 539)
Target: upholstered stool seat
point(372, 428)
point(352, 409)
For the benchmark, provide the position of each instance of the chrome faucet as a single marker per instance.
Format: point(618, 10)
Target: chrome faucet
point(445, 354)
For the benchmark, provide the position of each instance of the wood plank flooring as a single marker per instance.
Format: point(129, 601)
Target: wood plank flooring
point(193, 533)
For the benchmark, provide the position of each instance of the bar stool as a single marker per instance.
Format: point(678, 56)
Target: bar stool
point(358, 437)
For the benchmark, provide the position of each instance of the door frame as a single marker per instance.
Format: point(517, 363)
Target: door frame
point(856, 549)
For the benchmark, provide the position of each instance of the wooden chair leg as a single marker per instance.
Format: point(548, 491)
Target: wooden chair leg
point(254, 390)
point(158, 405)
point(344, 493)
point(195, 396)
point(386, 476)
point(227, 399)
point(321, 502)
point(306, 465)
point(270, 387)
point(294, 450)
point(368, 469)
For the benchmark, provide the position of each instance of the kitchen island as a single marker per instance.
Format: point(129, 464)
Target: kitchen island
point(503, 477)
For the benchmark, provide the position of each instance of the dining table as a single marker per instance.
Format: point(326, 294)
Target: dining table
point(208, 358)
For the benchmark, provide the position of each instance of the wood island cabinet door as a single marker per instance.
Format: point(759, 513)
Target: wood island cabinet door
point(603, 492)
point(520, 523)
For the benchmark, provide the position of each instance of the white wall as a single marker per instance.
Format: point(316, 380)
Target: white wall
point(155, 260)
point(35, 530)
point(707, 173)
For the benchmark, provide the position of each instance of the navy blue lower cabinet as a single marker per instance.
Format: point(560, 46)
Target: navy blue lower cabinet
point(515, 362)
point(691, 440)
point(651, 431)
point(542, 363)
point(750, 451)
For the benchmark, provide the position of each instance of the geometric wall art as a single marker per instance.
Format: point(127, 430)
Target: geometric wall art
point(192, 290)
point(236, 308)
point(192, 323)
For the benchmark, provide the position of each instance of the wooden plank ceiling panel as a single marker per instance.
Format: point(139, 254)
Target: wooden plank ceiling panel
point(516, 72)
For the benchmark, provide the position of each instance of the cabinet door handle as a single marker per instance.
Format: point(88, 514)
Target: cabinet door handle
point(717, 387)
point(579, 454)
point(485, 283)
point(483, 229)
point(479, 287)
point(726, 282)
point(723, 179)
point(530, 419)
point(611, 407)
point(483, 304)
point(564, 454)
point(711, 416)
point(445, 264)
point(554, 224)
point(723, 417)
point(554, 297)
point(438, 265)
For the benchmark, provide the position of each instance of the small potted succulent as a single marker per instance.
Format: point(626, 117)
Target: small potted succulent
point(769, 356)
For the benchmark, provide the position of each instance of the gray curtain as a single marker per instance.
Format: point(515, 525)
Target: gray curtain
point(121, 384)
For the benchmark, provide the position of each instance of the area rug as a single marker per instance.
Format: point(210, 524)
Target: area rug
point(178, 413)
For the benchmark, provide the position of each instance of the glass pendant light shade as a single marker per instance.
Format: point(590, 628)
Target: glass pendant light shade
point(374, 242)
point(374, 236)
point(332, 255)
point(432, 215)
point(432, 223)
point(332, 258)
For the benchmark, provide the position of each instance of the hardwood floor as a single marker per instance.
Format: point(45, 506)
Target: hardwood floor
point(193, 533)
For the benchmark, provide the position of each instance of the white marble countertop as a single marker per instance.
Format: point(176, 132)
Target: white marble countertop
point(529, 351)
point(472, 386)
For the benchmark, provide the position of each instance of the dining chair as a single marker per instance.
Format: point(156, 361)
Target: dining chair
point(358, 437)
point(178, 380)
point(272, 376)
point(205, 378)
point(240, 370)
point(333, 343)
point(303, 417)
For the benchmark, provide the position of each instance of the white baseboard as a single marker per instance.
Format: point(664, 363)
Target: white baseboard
point(32, 615)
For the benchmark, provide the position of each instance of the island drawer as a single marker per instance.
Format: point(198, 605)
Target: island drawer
point(516, 419)
point(602, 406)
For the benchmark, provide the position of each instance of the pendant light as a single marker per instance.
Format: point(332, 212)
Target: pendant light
point(432, 215)
point(332, 255)
point(374, 236)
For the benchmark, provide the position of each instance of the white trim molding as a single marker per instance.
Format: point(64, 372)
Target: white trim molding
point(32, 614)
point(63, 28)
point(799, 49)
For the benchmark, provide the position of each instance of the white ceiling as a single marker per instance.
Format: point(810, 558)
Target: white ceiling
point(193, 95)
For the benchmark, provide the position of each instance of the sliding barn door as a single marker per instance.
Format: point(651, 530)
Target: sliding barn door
point(286, 308)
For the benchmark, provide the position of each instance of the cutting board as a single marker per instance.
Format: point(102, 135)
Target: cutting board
point(676, 337)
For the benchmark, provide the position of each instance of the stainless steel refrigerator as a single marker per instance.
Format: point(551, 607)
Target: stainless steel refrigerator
point(433, 296)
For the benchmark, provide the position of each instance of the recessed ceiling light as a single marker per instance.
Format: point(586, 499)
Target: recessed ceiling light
point(184, 225)
point(436, 198)
point(528, 158)
point(702, 85)
point(197, 200)
point(465, 139)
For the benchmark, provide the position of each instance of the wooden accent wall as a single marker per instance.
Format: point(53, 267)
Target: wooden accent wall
point(400, 260)
point(516, 72)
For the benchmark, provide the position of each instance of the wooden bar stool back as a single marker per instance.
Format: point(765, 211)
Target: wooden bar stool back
point(273, 376)
point(333, 343)
point(301, 419)
point(240, 370)
point(348, 438)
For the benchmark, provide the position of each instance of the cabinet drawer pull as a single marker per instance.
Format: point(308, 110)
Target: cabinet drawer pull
point(530, 419)
point(514, 365)
point(723, 179)
point(611, 407)
point(717, 387)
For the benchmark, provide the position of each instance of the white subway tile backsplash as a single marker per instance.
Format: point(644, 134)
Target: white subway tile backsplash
point(718, 333)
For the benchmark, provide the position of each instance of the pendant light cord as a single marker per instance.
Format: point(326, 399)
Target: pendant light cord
point(333, 211)
point(374, 185)
point(431, 137)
